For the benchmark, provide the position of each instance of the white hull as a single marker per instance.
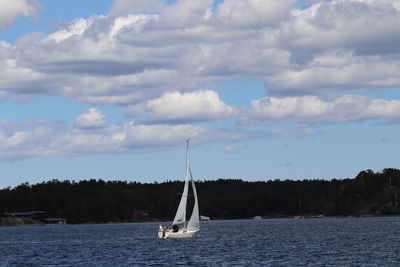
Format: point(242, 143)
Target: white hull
point(181, 234)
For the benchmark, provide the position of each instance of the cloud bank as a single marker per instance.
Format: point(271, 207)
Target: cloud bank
point(163, 62)
point(337, 47)
point(313, 110)
point(91, 133)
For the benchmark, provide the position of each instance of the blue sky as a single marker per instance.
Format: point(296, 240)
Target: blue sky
point(264, 89)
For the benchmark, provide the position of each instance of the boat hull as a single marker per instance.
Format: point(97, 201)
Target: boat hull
point(181, 234)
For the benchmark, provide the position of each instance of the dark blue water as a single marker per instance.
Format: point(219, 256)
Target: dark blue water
point(275, 242)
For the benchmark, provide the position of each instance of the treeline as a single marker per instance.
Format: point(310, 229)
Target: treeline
point(369, 193)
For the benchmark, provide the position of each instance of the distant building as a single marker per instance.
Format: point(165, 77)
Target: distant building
point(57, 221)
point(204, 218)
point(27, 214)
point(37, 216)
point(142, 213)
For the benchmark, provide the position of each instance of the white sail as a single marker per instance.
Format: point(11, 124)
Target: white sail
point(194, 222)
point(180, 216)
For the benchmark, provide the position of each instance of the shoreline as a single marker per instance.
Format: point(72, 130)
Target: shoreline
point(37, 223)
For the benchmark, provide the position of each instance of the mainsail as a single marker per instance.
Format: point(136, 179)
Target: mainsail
point(180, 217)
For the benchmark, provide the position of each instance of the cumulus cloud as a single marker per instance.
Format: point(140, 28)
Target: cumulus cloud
point(107, 56)
point(75, 28)
point(254, 13)
point(22, 144)
point(203, 105)
point(335, 73)
point(366, 27)
point(128, 58)
point(92, 118)
point(313, 110)
point(124, 7)
point(185, 14)
point(50, 138)
point(10, 10)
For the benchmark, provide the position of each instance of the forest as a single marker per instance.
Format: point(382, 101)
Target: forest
point(97, 201)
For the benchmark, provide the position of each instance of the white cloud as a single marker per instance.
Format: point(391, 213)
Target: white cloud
point(366, 27)
point(124, 7)
point(188, 46)
point(124, 89)
point(51, 138)
point(75, 28)
point(29, 123)
point(185, 14)
point(230, 149)
point(233, 149)
point(95, 58)
point(338, 47)
point(254, 13)
point(18, 80)
point(91, 119)
point(156, 60)
point(10, 10)
point(313, 110)
point(203, 105)
point(335, 73)
point(129, 22)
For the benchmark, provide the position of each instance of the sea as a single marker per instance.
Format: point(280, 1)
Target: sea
point(266, 242)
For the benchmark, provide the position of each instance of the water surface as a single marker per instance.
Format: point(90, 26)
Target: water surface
point(273, 242)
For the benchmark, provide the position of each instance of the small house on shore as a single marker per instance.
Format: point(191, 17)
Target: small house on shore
point(58, 221)
point(204, 218)
point(36, 214)
point(37, 217)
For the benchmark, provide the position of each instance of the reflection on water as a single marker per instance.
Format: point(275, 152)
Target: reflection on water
point(275, 242)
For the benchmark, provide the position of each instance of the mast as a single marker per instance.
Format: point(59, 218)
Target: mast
point(187, 159)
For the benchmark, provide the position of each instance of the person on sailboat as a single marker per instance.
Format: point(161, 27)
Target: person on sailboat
point(161, 229)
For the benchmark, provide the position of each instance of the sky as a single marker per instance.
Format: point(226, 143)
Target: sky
point(264, 89)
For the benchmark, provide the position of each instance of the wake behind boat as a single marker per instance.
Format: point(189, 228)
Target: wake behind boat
point(181, 230)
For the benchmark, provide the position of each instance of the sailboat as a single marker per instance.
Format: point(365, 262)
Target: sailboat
point(180, 228)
